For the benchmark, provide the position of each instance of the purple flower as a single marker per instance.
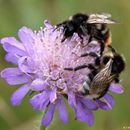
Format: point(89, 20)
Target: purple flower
point(39, 59)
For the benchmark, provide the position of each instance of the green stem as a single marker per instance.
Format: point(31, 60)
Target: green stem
point(42, 127)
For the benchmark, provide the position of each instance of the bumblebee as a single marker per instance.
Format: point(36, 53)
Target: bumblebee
point(94, 25)
point(104, 71)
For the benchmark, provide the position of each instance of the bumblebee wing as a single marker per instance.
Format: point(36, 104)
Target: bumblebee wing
point(104, 77)
point(101, 18)
point(100, 15)
point(101, 21)
point(100, 81)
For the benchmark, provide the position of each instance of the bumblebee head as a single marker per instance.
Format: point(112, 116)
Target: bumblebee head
point(80, 18)
point(118, 61)
point(118, 64)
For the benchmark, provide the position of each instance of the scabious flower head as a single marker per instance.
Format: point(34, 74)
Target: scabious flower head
point(39, 59)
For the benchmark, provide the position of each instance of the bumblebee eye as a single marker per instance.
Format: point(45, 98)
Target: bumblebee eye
point(105, 60)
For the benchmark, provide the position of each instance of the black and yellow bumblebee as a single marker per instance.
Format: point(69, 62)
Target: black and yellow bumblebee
point(94, 25)
point(104, 71)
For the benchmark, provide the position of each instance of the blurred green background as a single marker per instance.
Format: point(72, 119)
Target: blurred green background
point(17, 13)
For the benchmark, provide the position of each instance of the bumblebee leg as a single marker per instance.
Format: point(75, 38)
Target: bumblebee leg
point(93, 54)
point(117, 80)
point(62, 24)
point(80, 67)
point(91, 76)
point(64, 36)
point(90, 39)
point(90, 66)
point(68, 29)
point(97, 61)
point(64, 30)
point(93, 72)
point(80, 38)
point(112, 49)
point(76, 68)
point(63, 39)
point(80, 33)
point(102, 48)
point(69, 69)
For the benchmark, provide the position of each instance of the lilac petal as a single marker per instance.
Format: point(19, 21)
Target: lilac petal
point(14, 76)
point(40, 101)
point(27, 36)
point(23, 34)
point(9, 72)
point(39, 84)
point(19, 94)
point(90, 118)
point(80, 115)
point(9, 57)
point(11, 45)
point(89, 103)
point(53, 95)
point(109, 100)
point(84, 114)
point(15, 80)
point(29, 39)
point(117, 88)
point(71, 99)
point(62, 111)
point(103, 105)
point(49, 115)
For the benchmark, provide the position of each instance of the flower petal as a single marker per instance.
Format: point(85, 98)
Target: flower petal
point(84, 114)
point(39, 84)
point(10, 44)
point(117, 88)
point(72, 99)
point(25, 35)
point(62, 111)
point(49, 115)
point(9, 57)
point(14, 76)
point(103, 105)
point(9, 72)
point(15, 80)
point(29, 39)
point(89, 103)
point(109, 100)
point(19, 94)
point(40, 101)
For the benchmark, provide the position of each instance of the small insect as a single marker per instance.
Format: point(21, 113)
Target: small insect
point(94, 25)
point(105, 71)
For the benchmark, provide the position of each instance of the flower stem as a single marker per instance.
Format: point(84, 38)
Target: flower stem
point(42, 127)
